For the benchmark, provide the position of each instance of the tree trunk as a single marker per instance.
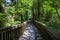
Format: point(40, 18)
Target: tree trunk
point(26, 16)
point(33, 12)
point(21, 18)
point(57, 13)
point(38, 7)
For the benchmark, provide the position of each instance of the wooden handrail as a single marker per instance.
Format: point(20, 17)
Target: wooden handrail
point(12, 33)
point(45, 32)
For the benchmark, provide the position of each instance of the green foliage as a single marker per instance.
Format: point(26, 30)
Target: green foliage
point(22, 10)
point(2, 20)
point(14, 13)
point(51, 13)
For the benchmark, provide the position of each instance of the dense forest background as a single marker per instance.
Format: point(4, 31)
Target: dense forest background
point(14, 12)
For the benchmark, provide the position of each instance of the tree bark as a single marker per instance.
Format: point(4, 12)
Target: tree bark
point(21, 18)
point(57, 13)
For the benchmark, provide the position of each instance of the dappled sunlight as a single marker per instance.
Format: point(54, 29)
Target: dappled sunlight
point(28, 18)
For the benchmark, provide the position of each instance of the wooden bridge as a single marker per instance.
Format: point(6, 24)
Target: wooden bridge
point(29, 30)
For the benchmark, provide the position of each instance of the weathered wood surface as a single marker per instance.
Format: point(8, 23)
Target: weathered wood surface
point(12, 33)
point(45, 32)
point(16, 32)
point(31, 33)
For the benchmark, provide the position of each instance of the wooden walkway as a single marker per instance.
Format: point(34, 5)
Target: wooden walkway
point(29, 30)
point(31, 33)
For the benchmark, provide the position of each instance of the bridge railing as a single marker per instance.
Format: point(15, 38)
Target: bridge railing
point(12, 33)
point(45, 32)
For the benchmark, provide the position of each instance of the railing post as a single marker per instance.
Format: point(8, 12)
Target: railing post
point(2, 36)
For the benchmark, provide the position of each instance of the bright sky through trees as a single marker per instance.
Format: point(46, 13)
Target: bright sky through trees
point(8, 2)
